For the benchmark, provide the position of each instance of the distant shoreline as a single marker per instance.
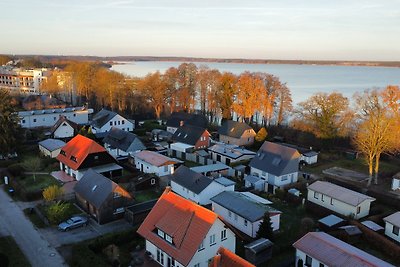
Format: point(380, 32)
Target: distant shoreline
point(115, 60)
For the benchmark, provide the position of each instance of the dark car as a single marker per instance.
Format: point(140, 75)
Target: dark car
point(73, 222)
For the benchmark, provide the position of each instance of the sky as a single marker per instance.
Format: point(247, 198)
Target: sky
point(263, 29)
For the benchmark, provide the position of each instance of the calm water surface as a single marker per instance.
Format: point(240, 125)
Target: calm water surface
point(303, 80)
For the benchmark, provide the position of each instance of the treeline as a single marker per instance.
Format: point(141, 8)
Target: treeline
point(185, 88)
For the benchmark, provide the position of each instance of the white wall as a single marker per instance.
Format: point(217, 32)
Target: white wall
point(118, 122)
point(148, 168)
point(201, 257)
point(172, 129)
point(395, 184)
point(223, 157)
point(339, 206)
point(309, 160)
point(389, 232)
point(276, 181)
point(49, 119)
point(301, 255)
point(48, 153)
point(116, 152)
point(64, 131)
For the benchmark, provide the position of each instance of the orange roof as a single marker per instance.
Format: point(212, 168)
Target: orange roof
point(154, 158)
point(226, 258)
point(183, 220)
point(77, 149)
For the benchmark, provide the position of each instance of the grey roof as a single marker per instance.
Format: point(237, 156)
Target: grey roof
point(393, 219)
point(334, 252)
point(124, 140)
point(308, 152)
point(259, 245)
point(94, 187)
point(187, 119)
point(233, 129)
point(339, 193)
point(210, 168)
point(188, 134)
point(331, 220)
point(52, 144)
point(276, 159)
point(351, 230)
point(230, 151)
point(252, 179)
point(372, 225)
point(191, 180)
point(49, 111)
point(224, 181)
point(102, 117)
point(242, 205)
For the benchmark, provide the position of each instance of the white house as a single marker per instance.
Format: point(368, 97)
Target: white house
point(339, 199)
point(121, 144)
point(179, 232)
point(245, 212)
point(51, 147)
point(254, 181)
point(153, 162)
point(64, 128)
point(392, 226)
point(197, 187)
point(277, 164)
point(48, 117)
point(228, 154)
point(22, 80)
point(105, 119)
point(318, 249)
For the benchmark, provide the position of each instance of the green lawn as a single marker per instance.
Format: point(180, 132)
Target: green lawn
point(41, 181)
point(9, 248)
point(144, 196)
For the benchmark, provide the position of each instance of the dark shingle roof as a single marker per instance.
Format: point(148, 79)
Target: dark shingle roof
point(191, 180)
point(95, 188)
point(233, 129)
point(188, 119)
point(276, 159)
point(242, 205)
point(102, 117)
point(188, 134)
point(123, 140)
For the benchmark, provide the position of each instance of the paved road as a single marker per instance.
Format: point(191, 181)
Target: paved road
point(13, 222)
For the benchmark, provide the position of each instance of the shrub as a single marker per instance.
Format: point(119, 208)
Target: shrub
point(58, 212)
point(261, 135)
point(52, 192)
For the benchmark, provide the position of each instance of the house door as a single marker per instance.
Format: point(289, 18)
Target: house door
point(228, 161)
point(141, 167)
point(170, 262)
point(270, 188)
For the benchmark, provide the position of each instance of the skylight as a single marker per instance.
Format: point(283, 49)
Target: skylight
point(276, 161)
point(94, 187)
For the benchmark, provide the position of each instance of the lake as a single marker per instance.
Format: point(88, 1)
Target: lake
point(303, 80)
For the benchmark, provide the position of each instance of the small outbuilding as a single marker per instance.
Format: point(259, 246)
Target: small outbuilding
point(51, 147)
point(392, 226)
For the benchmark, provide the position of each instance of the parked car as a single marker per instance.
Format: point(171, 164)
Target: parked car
point(73, 222)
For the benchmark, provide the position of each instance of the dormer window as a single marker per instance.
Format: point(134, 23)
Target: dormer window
point(116, 195)
point(160, 233)
point(62, 152)
point(168, 238)
point(73, 158)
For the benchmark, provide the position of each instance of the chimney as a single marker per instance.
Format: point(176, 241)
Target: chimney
point(181, 123)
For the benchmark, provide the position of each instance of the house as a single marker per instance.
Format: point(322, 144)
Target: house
point(255, 182)
point(153, 162)
point(228, 154)
point(51, 147)
point(179, 232)
point(226, 258)
point(396, 181)
point(64, 128)
point(194, 136)
point(178, 119)
point(100, 197)
point(339, 199)
point(308, 156)
point(278, 165)
point(392, 226)
point(236, 133)
point(121, 144)
point(34, 102)
point(105, 119)
point(244, 212)
point(81, 154)
point(197, 187)
point(48, 117)
point(318, 249)
point(212, 169)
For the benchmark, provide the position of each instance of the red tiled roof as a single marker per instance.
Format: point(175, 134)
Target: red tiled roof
point(226, 258)
point(186, 222)
point(154, 158)
point(79, 147)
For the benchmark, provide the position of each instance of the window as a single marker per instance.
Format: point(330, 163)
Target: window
point(73, 158)
point(96, 157)
point(321, 265)
point(160, 257)
point(160, 233)
point(165, 168)
point(223, 234)
point(74, 115)
point(197, 265)
point(322, 198)
point(308, 261)
point(54, 118)
point(34, 120)
point(263, 173)
point(123, 122)
point(23, 121)
point(153, 181)
point(245, 222)
point(201, 247)
point(229, 213)
point(236, 217)
point(331, 201)
point(168, 238)
point(316, 195)
point(110, 123)
point(395, 230)
point(358, 209)
point(116, 195)
point(62, 152)
point(284, 178)
point(119, 210)
point(212, 239)
point(119, 122)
